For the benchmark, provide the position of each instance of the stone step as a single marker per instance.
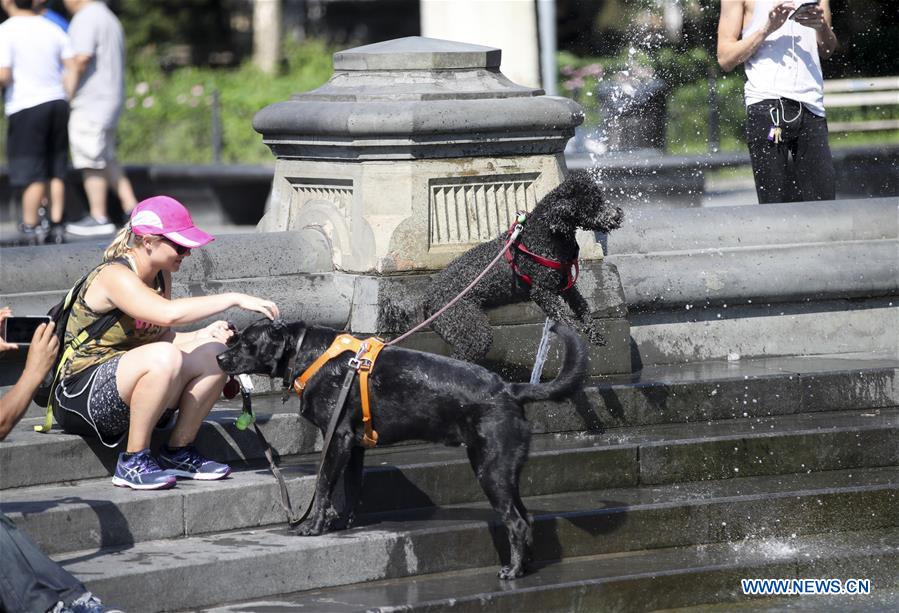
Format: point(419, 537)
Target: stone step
point(224, 567)
point(880, 599)
point(632, 581)
point(687, 393)
point(719, 389)
point(710, 389)
point(30, 458)
point(93, 513)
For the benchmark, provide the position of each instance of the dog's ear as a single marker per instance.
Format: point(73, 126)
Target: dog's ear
point(278, 337)
point(562, 216)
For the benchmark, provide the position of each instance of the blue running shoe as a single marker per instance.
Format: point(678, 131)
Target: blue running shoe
point(87, 603)
point(188, 463)
point(141, 472)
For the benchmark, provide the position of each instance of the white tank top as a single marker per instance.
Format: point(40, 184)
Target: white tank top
point(787, 63)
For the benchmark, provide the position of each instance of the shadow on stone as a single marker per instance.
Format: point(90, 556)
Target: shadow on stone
point(388, 489)
point(114, 529)
point(612, 401)
point(587, 412)
point(547, 545)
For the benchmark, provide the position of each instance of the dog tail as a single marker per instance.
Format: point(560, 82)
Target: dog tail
point(571, 376)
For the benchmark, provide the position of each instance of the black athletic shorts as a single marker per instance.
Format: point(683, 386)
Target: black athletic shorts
point(89, 404)
point(37, 143)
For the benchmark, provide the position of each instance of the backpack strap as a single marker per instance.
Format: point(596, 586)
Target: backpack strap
point(94, 331)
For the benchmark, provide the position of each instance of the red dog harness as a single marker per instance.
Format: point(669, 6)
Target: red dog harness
point(571, 266)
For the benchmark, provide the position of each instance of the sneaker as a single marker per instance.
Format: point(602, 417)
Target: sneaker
point(188, 463)
point(56, 235)
point(88, 603)
point(141, 472)
point(90, 226)
point(30, 235)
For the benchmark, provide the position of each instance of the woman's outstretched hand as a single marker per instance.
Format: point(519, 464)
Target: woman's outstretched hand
point(220, 331)
point(252, 303)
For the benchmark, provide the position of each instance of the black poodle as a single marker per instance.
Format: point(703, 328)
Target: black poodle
point(541, 266)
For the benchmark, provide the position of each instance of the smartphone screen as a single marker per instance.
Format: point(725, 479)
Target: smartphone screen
point(803, 7)
point(20, 330)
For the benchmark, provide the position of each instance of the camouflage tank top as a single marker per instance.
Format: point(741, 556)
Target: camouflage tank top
point(127, 333)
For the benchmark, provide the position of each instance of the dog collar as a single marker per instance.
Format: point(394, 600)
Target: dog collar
point(290, 373)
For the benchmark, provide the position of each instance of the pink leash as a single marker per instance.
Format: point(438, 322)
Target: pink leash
point(518, 228)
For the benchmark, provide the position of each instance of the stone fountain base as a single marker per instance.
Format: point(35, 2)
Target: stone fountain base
point(390, 305)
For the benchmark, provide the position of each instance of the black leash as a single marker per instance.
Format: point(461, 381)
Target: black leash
point(290, 375)
point(326, 442)
point(292, 519)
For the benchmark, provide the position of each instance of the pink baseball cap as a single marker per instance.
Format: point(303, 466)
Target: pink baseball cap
point(166, 216)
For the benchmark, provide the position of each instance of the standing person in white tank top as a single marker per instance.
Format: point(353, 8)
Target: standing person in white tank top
point(782, 49)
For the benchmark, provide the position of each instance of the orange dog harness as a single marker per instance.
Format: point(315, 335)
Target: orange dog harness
point(366, 353)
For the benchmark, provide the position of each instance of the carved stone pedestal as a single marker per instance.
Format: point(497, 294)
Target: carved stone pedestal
point(414, 151)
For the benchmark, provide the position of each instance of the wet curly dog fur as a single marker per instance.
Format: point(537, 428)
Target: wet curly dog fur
point(415, 396)
point(549, 232)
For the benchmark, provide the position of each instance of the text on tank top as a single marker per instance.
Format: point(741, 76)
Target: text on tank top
point(126, 334)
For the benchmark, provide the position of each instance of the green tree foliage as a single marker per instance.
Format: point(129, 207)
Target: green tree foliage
point(158, 25)
point(168, 114)
point(607, 38)
point(867, 29)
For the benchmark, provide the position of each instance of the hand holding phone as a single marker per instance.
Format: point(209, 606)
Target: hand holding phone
point(803, 9)
point(42, 352)
point(4, 313)
point(20, 330)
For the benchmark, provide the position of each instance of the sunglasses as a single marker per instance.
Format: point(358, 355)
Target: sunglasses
point(179, 249)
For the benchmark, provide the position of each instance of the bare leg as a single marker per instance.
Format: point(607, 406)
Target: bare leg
point(57, 200)
point(31, 202)
point(148, 381)
point(96, 186)
point(202, 381)
point(122, 184)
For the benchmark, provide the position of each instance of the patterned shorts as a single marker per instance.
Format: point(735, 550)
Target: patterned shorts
point(89, 404)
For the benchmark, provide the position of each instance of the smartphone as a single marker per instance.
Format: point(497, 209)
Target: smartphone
point(803, 7)
point(20, 330)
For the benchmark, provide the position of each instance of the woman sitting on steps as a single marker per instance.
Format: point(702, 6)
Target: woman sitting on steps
point(123, 383)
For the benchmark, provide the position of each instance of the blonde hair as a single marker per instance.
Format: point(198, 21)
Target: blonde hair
point(122, 242)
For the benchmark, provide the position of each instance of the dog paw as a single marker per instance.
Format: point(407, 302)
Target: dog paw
point(340, 523)
point(595, 337)
point(507, 573)
point(308, 528)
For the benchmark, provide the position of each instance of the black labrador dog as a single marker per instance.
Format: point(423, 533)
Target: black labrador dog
point(417, 396)
point(549, 232)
